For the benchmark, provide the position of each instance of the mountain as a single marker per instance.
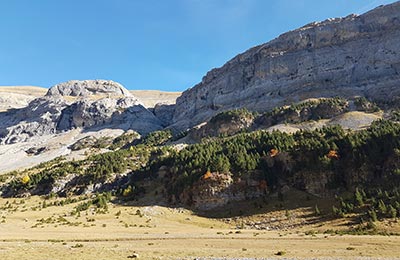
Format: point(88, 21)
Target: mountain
point(297, 137)
point(76, 104)
point(309, 121)
point(20, 96)
point(38, 124)
point(358, 55)
point(347, 57)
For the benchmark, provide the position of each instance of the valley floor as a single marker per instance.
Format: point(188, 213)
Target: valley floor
point(30, 231)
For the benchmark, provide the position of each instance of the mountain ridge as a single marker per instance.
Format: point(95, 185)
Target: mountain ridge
point(149, 97)
point(322, 59)
point(297, 139)
point(314, 61)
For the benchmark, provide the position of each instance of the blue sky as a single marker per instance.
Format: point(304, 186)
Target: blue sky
point(144, 44)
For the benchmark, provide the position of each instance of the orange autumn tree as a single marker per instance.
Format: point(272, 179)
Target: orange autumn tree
point(207, 175)
point(273, 152)
point(333, 154)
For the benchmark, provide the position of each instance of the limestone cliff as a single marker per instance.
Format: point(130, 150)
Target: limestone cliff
point(351, 56)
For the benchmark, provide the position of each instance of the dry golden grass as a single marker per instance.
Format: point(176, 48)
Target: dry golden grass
point(25, 90)
point(18, 96)
point(151, 97)
point(165, 233)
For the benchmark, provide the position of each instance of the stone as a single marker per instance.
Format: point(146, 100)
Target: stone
point(36, 150)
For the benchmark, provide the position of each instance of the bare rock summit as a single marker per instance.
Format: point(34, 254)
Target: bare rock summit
point(89, 87)
point(77, 104)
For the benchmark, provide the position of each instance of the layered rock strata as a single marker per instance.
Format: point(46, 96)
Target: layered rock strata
point(351, 56)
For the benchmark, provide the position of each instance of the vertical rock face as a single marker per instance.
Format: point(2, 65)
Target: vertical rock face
point(164, 112)
point(355, 55)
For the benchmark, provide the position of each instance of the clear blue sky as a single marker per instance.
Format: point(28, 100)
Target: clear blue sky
point(144, 44)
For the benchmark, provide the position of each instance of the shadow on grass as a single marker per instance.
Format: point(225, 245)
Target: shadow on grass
point(293, 200)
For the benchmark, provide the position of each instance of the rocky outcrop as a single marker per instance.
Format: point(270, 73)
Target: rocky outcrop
point(87, 113)
point(314, 182)
point(38, 118)
point(85, 142)
point(85, 88)
point(164, 112)
point(218, 189)
point(302, 112)
point(94, 103)
point(351, 56)
point(223, 124)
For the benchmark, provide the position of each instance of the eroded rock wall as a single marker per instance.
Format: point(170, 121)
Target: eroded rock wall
point(351, 56)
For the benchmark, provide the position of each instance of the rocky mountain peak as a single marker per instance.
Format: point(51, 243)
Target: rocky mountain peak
point(85, 88)
point(77, 104)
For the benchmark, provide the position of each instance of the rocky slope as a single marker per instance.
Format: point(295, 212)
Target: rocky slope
point(351, 56)
point(77, 104)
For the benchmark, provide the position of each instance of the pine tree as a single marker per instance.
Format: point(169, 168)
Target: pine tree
point(335, 211)
point(316, 210)
point(392, 212)
point(373, 216)
point(358, 198)
point(382, 207)
point(397, 205)
point(363, 193)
